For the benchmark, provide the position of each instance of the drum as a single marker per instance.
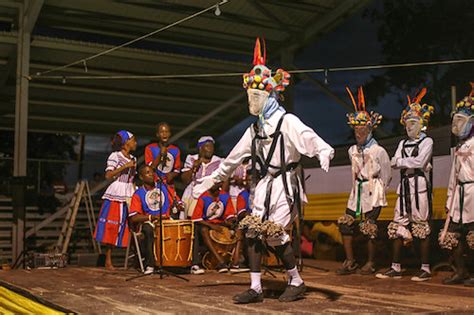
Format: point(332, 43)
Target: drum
point(224, 242)
point(177, 241)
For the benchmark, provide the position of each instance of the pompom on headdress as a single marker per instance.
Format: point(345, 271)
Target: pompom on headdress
point(361, 117)
point(466, 105)
point(415, 110)
point(260, 77)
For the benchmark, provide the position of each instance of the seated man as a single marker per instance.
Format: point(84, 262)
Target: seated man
point(214, 210)
point(243, 204)
point(145, 210)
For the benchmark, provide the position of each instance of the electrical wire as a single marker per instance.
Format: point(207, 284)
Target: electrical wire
point(107, 51)
point(231, 74)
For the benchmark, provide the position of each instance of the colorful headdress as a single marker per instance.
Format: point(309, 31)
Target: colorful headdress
point(260, 77)
point(415, 110)
point(466, 105)
point(361, 117)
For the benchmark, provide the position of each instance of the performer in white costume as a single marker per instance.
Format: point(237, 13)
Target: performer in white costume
point(414, 207)
point(460, 204)
point(371, 174)
point(276, 142)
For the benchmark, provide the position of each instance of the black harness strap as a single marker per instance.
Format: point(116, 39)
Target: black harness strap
point(266, 165)
point(405, 196)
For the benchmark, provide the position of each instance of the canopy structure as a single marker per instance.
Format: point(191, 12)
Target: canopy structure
point(63, 31)
point(38, 35)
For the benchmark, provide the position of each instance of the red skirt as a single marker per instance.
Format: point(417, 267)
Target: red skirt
point(112, 226)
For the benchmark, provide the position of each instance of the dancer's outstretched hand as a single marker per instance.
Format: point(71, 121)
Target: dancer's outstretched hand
point(202, 185)
point(324, 164)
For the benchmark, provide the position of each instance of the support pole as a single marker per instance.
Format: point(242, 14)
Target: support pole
point(27, 15)
point(21, 132)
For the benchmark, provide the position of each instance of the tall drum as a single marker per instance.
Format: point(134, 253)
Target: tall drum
point(177, 241)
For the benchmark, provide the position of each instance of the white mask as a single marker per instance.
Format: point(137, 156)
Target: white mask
point(462, 125)
point(413, 128)
point(257, 99)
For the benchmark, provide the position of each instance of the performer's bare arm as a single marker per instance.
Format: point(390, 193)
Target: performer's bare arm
point(115, 172)
point(210, 225)
point(159, 158)
point(187, 176)
point(140, 218)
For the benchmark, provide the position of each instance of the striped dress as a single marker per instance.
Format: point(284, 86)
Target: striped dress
point(112, 225)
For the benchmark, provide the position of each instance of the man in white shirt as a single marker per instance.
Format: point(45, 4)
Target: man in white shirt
point(197, 166)
point(460, 204)
point(276, 141)
point(414, 207)
point(371, 174)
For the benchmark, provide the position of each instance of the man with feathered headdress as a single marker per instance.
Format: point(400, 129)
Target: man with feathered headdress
point(276, 142)
point(371, 174)
point(413, 208)
point(460, 204)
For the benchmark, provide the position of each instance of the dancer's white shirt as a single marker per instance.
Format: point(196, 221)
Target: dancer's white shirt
point(373, 165)
point(299, 140)
point(422, 161)
point(462, 170)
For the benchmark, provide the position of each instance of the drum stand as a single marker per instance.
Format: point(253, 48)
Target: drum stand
point(160, 271)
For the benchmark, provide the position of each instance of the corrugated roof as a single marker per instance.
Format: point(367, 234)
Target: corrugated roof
point(67, 30)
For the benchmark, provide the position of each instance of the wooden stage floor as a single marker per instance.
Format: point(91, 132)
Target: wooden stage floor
point(96, 291)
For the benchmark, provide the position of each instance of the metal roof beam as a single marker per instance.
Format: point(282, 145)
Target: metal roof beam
point(124, 93)
point(234, 31)
point(113, 108)
point(104, 72)
point(175, 39)
point(285, 28)
point(32, 12)
point(128, 53)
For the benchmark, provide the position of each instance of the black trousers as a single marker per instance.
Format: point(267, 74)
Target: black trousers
point(147, 245)
point(196, 259)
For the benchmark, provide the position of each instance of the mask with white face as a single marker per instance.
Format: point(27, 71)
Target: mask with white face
point(462, 125)
point(257, 100)
point(413, 128)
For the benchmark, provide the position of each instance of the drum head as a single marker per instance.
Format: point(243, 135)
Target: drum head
point(226, 237)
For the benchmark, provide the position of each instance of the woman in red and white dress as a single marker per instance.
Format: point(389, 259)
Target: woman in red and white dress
point(112, 225)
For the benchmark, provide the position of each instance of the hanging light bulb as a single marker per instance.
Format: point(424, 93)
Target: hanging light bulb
point(218, 10)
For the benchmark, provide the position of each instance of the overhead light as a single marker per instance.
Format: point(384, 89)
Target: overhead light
point(218, 10)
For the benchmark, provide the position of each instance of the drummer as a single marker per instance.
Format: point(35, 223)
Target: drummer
point(214, 210)
point(145, 210)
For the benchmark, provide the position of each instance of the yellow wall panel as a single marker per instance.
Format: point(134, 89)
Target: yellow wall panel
point(329, 207)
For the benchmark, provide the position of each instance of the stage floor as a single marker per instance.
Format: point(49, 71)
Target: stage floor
point(96, 291)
